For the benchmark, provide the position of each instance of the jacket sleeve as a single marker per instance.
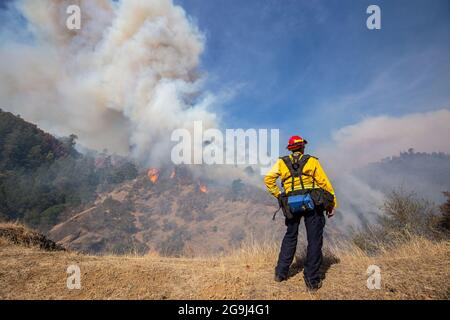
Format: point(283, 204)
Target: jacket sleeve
point(323, 182)
point(271, 179)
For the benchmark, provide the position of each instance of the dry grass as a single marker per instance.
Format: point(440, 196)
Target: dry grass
point(18, 234)
point(416, 270)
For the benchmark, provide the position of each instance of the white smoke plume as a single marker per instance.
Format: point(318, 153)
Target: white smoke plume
point(124, 81)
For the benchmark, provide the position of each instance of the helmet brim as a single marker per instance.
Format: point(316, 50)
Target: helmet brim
point(296, 145)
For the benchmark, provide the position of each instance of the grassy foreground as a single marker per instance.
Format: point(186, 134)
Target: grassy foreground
point(416, 270)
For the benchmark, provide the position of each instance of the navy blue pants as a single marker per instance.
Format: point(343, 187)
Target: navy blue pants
point(314, 223)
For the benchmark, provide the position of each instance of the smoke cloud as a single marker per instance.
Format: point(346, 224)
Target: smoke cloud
point(124, 81)
point(372, 140)
point(376, 138)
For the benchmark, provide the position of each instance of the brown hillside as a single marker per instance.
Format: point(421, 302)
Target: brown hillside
point(418, 270)
point(172, 217)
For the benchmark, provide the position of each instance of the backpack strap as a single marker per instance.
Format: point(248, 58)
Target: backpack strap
point(295, 167)
point(313, 177)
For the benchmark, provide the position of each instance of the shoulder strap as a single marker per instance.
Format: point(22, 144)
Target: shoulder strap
point(295, 166)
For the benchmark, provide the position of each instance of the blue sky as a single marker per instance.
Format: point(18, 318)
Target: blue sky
point(311, 67)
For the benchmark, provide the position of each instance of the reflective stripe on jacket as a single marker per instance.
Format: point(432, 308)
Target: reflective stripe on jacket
point(312, 169)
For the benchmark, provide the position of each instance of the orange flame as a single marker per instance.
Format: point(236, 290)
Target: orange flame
point(153, 175)
point(203, 188)
point(173, 174)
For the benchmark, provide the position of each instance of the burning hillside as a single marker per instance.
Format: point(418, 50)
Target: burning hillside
point(170, 211)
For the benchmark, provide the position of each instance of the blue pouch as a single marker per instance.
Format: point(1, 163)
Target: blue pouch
point(300, 203)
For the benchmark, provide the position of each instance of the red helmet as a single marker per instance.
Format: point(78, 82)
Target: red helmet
point(296, 142)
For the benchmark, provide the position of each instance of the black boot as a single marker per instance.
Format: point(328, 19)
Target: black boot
point(313, 287)
point(279, 278)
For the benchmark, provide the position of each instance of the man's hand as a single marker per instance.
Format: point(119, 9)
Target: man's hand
point(330, 212)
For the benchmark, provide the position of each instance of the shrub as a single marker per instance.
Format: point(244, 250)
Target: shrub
point(174, 244)
point(237, 235)
point(403, 217)
point(444, 221)
point(408, 215)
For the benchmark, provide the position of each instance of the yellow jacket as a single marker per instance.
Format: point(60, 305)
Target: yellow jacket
point(312, 168)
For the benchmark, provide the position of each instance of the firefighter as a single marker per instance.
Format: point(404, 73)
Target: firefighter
point(310, 179)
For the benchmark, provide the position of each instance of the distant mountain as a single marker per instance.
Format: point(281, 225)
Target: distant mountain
point(362, 192)
point(41, 177)
point(426, 174)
